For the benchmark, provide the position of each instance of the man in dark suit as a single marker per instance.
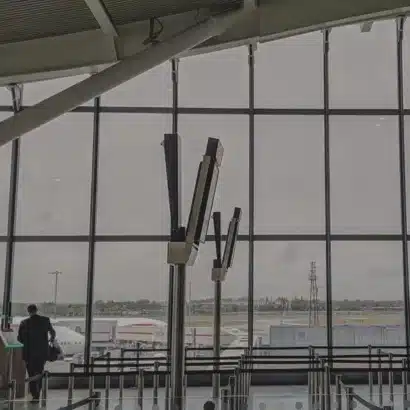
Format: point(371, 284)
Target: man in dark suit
point(33, 335)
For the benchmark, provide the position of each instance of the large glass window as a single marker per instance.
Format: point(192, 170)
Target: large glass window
point(5, 162)
point(363, 66)
point(5, 96)
point(284, 293)
point(233, 183)
point(142, 264)
point(365, 184)
point(132, 190)
point(367, 290)
point(289, 175)
point(289, 72)
point(200, 296)
point(150, 89)
point(218, 79)
point(38, 91)
point(54, 177)
point(34, 278)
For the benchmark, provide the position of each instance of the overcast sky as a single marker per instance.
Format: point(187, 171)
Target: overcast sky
point(54, 184)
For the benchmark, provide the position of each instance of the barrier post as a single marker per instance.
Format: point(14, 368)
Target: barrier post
point(167, 387)
point(404, 381)
point(380, 377)
point(224, 399)
point(322, 385)
point(232, 392)
point(91, 405)
point(141, 389)
point(327, 376)
point(12, 394)
point(121, 378)
point(185, 387)
point(338, 392)
point(155, 386)
point(44, 389)
point(70, 390)
point(370, 373)
point(391, 378)
point(108, 382)
point(310, 380)
point(349, 398)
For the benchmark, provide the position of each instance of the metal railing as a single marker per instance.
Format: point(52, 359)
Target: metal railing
point(326, 377)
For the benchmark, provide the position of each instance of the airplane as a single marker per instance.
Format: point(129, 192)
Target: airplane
point(71, 342)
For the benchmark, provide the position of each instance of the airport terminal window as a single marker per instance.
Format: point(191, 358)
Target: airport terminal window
point(365, 184)
point(289, 72)
point(363, 66)
point(151, 89)
point(282, 289)
point(200, 293)
point(37, 91)
point(33, 283)
point(132, 279)
point(233, 184)
point(5, 96)
point(132, 191)
point(367, 290)
point(54, 177)
point(289, 175)
point(218, 79)
point(5, 162)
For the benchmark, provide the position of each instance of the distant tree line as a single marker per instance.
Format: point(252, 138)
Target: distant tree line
point(152, 308)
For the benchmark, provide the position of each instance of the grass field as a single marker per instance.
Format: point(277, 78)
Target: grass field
point(264, 320)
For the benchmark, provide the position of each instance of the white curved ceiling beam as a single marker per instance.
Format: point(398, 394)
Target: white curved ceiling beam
point(52, 107)
point(101, 15)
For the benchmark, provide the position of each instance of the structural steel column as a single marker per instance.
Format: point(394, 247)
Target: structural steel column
point(251, 244)
point(17, 97)
point(91, 238)
point(328, 227)
point(402, 168)
point(174, 226)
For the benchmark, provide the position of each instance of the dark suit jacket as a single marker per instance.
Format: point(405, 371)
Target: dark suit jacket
point(33, 334)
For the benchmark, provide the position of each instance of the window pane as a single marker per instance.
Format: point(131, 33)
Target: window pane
point(365, 190)
point(218, 79)
point(233, 183)
point(141, 265)
point(282, 292)
point(363, 66)
point(289, 72)
point(38, 91)
point(200, 295)
point(132, 191)
point(54, 177)
point(5, 162)
point(367, 293)
point(33, 283)
point(5, 96)
point(150, 89)
point(289, 173)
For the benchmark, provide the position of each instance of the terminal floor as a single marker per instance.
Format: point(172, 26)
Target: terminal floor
point(269, 398)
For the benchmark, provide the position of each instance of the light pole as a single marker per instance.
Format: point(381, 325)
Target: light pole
point(56, 274)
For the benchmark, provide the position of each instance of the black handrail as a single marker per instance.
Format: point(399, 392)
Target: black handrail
point(94, 397)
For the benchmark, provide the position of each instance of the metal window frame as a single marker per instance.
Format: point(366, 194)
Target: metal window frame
point(327, 237)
